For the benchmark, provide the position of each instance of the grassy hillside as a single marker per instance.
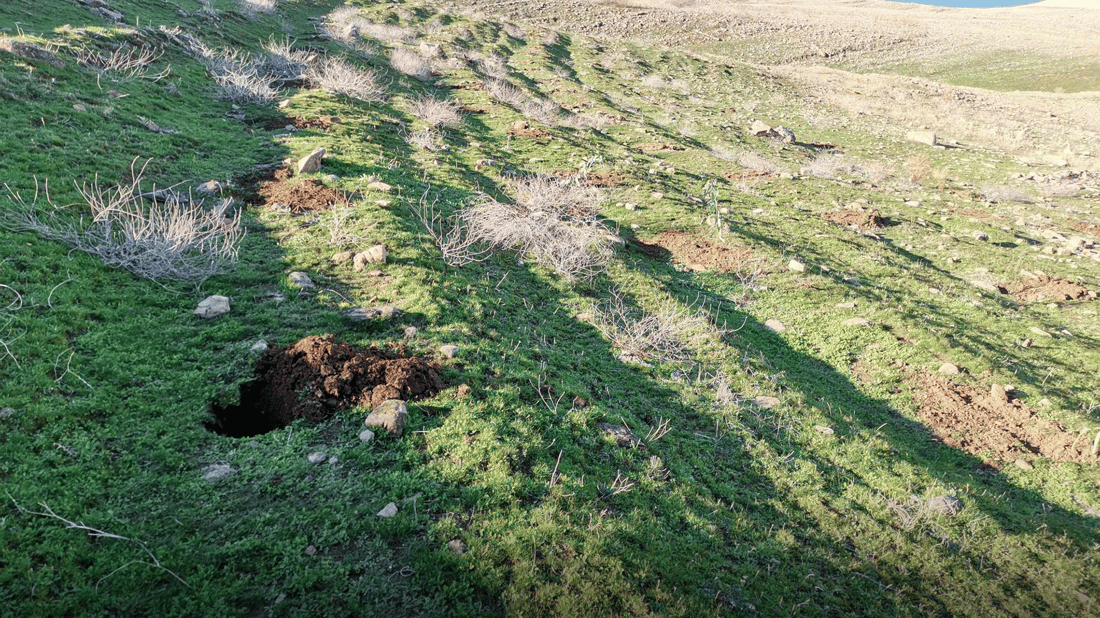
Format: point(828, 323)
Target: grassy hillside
point(697, 371)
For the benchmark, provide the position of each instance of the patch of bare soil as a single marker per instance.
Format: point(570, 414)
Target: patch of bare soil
point(283, 191)
point(1087, 228)
point(697, 252)
point(748, 175)
point(320, 122)
point(658, 146)
point(991, 427)
point(862, 219)
point(315, 377)
point(1046, 288)
point(608, 178)
point(529, 132)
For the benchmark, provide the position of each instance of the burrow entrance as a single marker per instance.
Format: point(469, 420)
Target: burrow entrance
point(314, 378)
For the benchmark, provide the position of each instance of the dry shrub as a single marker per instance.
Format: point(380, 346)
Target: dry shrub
point(285, 63)
point(173, 239)
point(125, 63)
point(505, 93)
point(515, 31)
point(541, 110)
point(671, 333)
point(252, 8)
point(427, 139)
point(551, 222)
point(757, 163)
point(494, 66)
point(653, 81)
point(550, 39)
point(338, 76)
point(437, 112)
point(918, 167)
point(827, 166)
point(347, 25)
point(1005, 193)
point(411, 63)
point(874, 171)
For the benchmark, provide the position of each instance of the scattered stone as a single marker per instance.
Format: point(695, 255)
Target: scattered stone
point(311, 551)
point(980, 235)
point(254, 444)
point(456, 546)
point(784, 134)
point(301, 280)
point(390, 415)
point(343, 256)
point(378, 185)
point(1040, 332)
point(765, 401)
point(621, 434)
point(1026, 343)
point(922, 137)
point(949, 369)
point(796, 267)
point(388, 511)
point(520, 125)
point(30, 51)
point(80, 107)
point(630, 206)
point(366, 435)
point(945, 505)
point(759, 129)
point(857, 322)
point(1082, 597)
point(448, 351)
point(1045, 402)
point(657, 195)
point(825, 430)
point(410, 332)
point(1023, 465)
point(212, 307)
point(209, 187)
point(388, 311)
point(332, 178)
point(333, 460)
point(259, 346)
point(775, 325)
point(217, 471)
point(317, 457)
point(849, 306)
point(431, 51)
point(464, 391)
point(311, 162)
point(5, 412)
point(934, 291)
point(375, 255)
point(276, 296)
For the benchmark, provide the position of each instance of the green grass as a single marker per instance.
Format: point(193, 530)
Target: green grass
point(738, 510)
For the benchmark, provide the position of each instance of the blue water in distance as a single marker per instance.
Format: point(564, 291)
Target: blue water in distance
point(970, 4)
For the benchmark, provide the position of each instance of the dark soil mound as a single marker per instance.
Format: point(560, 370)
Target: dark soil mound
point(862, 219)
point(697, 252)
point(295, 194)
point(1046, 288)
point(314, 378)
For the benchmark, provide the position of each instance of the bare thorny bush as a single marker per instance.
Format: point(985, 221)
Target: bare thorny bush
point(551, 222)
point(175, 239)
point(672, 332)
point(124, 63)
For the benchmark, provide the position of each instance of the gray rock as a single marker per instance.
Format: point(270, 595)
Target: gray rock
point(980, 235)
point(311, 162)
point(390, 415)
point(448, 351)
point(945, 505)
point(759, 129)
point(621, 434)
point(949, 369)
point(825, 430)
point(388, 511)
point(342, 257)
point(849, 306)
point(775, 325)
point(311, 551)
point(212, 307)
point(366, 435)
point(378, 185)
point(857, 322)
point(922, 137)
point(317, 457)
point(1023, 465)
point(1040, 332)
point(796, 267)
point(301, 280)
point(259, 346)
point(784, 134)
point(217, 471)
point(410, 332)
point(375, 255)
point(765, 401)
point(209, 187)
point(5, 412)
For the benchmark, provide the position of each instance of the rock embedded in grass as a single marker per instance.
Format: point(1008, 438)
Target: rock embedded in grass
point(301, 280)
point(212, 306)
point(622, 435)
point(388, 511)
point(449, 351)
point(217, 471)
point(945, 505)
point(949, 369)
point(775, 325)
point(390, 415)
point(311, 162)
point(317, 457)
point(796, 267)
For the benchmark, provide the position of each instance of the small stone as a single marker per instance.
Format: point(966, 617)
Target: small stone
point(520, 125)
point(657, 195)
point(378, 185)
point(80, 107)
point(630, 206)
point(796, 267)
point(366, 435)
point(389, 415)
point(259, 346)
point(212, 307)
point(332, 178)
point(1040, 332)
point(784, 134)
point(823, 429)
point(980, 235)
point(375, 255)
point(997, 392)
point(333, 460)
point(1082, 597)
point(622, 435)
point(254, 444)
point(343, 256)
point(360, 314)
point(949, 369)
point(5, 412)
point(464, 391)
point(922, 137)
point(857, 322)
point(1026, 343)
point(311, 162)
point(759, 129)
point(1044, 402)
point(1023, 465)
point(388, 511)
point(410, 332)
point(301, 280)
point(775, 325)
point(849, 306)
point(317, 457)
point(311, 551)
point(456, 546)
point(945, 505)
point(934, 291)
point(217, 471)
point(388, 311)
point(448, 351)
point(765, 401)
point(209, 187)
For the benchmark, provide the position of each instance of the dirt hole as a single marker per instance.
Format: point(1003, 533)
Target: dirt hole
point(314, 378)
point(283, 191)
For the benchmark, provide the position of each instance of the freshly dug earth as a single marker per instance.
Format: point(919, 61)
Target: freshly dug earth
point(991, 428)
point(1046, 288)
point(317, 376)
point(297, 194)
point(658, 146)
point(696, 252)
point(608, 178)
point(863, 219)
